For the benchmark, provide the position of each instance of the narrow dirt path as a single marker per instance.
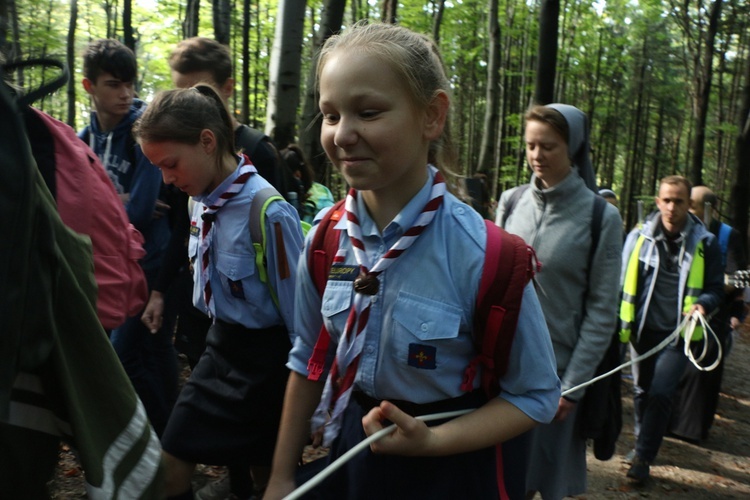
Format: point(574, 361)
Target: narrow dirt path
point(717, 468)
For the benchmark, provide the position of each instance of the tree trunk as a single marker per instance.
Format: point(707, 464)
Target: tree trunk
point(740, 198)
point(632, 182)
point(128, 36)
point(9, 11)
point(331, 19)
point(71, 58)
point(5, 11)
point(489, 131)
point(437, 21)
point(390, 8)
point(222, 11)
point(192, 19)
point(703, 94)
point(547, 56)
point(285, 67)
point(245, 94)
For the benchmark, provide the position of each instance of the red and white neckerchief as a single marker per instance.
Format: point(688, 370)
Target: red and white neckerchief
point(338, 388)
point(246, 169)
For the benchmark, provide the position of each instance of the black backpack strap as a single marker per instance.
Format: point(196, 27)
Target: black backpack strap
point(596, 226)
point(42, 147)
point(510, 204)
point(251, 137)
point(44, 89)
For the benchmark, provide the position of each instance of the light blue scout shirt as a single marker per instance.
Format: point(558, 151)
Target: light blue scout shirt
point(240, 297)
point(419, 340)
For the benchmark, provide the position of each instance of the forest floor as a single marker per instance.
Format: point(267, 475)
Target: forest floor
point(718, 468)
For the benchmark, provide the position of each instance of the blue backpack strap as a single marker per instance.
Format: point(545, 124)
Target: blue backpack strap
point(724, 231)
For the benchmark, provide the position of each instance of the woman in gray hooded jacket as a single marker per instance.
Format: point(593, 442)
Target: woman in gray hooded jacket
point(577, 286)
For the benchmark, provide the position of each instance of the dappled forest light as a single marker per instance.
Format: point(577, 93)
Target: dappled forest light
point(664, 83)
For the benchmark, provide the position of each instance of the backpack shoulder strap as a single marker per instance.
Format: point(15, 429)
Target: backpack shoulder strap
point(46, 88)
point(512, 201)
point(323, 248)
point(250, 137)
point(724, 231)
point(597, 215)
point(509, 265)
point(258, 236)
point(320, 255)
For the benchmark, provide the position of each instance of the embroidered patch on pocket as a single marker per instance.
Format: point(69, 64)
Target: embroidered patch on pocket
point(236, 288)
point(422, 356)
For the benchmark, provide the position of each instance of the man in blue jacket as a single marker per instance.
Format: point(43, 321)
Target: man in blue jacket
point(671, 267)
point(110, 70)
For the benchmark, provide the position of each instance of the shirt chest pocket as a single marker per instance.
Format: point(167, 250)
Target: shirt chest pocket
point(425, 334)
point(236, 272)
point(335, 305)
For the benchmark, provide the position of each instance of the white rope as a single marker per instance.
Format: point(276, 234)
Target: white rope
point(688, 324)
point(688, 339)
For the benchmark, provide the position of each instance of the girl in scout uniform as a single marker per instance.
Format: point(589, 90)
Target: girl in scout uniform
point(229, 410)
point(414, 254)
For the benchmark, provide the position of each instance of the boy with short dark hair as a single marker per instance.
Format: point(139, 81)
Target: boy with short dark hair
point(203, 60)
point(110, 71)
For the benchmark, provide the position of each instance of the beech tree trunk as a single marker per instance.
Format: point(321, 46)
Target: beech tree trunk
point(330, 23)
point(703, 76)
point(740, 198)
point(192, 19)
point(491, 112)
point(549, 16)
point(71, 60)
point(222, 10)
point(285, 68)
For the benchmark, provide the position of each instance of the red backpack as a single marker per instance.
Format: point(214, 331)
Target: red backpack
point(88, 204)
point(509, 264)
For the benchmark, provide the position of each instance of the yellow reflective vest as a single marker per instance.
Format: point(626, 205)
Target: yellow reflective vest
point(693, 289)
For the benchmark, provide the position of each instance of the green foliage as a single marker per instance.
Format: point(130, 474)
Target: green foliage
point(627, 64)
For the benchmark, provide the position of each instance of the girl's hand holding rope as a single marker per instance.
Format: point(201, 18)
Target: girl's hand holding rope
point(412, 437)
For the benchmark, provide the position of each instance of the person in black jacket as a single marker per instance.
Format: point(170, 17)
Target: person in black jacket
point(698, 393)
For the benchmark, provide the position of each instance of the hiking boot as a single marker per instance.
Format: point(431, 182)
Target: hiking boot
point(639, 471)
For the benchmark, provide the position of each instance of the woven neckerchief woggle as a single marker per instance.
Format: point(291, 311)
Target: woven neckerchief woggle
point(338, 389)
point(245, 170)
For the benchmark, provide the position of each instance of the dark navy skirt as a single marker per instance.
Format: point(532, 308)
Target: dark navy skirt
point(230, 408)
point(372, 476)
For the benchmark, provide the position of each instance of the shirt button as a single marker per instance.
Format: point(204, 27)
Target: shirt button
point(381, 248)
point(460, 210)
point(424, 327)
point(369, 350)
